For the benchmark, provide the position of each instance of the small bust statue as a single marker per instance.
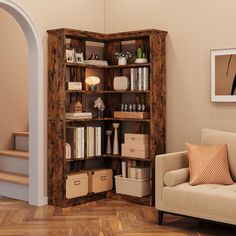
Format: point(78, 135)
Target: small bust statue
point(99, 104)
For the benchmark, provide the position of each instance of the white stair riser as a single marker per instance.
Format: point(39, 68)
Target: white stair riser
point(15, 191)
point(22, 143)
point(16, 165)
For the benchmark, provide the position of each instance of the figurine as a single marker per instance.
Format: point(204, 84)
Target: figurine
point(99, 104)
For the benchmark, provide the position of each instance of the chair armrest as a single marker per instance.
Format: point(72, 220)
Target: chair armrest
point(163, 164)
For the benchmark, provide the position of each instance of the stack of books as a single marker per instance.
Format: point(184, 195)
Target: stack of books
point(139, 78)
point(78, 115)
point(96, 62)
point(84, 142)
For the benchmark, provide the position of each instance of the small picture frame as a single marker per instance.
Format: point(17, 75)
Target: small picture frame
point(223, 75)
point(79, 58)
point(70, 55)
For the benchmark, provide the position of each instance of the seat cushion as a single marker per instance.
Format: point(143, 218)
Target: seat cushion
point(208, 164)
point(210, 137)
point(202, 200)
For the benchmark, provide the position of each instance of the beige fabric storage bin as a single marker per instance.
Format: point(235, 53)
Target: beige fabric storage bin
point(76, 185)
point(134, 151)
point(100, 180)
point(137, 139)
point(133, 187)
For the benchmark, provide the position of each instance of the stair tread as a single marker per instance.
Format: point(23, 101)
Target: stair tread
point(14, 178)
point(14, 153)
point(21, 133)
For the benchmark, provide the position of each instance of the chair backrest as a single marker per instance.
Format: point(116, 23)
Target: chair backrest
point(210, 136)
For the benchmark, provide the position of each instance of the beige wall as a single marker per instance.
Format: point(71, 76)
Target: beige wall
point(13, 80)
point(195, 27)
point(80, 14)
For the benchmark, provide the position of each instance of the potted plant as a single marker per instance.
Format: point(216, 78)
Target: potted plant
point(123, 57)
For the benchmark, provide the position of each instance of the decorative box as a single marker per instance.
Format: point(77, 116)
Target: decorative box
point(131, 115)
point(100, 180)
point(135, 151)
point(74, 86)
point(137, 139)
point(76, 185)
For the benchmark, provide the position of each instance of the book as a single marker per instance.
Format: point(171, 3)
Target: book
point(123, 169)
point(145, 78)
point(140, 78)
point(90, 141)
point(98, 140)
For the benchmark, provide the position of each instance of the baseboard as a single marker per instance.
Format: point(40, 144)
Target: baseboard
point(45, 200)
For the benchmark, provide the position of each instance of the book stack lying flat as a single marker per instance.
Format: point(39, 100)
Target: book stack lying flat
point(84, 141)
point(96, 62)
point(78, 115)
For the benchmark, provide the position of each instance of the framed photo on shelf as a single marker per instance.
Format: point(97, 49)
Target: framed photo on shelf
point(223, 75)
point(70, 55)
point(79, 58)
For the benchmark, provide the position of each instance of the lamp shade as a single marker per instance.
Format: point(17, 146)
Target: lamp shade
point(92, 80)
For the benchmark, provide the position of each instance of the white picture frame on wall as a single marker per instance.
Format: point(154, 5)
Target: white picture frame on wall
point(223, 75)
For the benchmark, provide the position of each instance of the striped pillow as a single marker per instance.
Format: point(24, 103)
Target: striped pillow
point(208, 164)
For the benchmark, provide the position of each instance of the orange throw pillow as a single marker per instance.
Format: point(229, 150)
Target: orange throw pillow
point(208, 164)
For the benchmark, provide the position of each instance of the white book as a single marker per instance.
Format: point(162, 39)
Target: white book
point(78, 130)
point(98, 141)
point(90, 141)
point(140, 78)
point(132, 82)
point(82, 142)
point(87, 142)
point(123, 169)
point(145, 78)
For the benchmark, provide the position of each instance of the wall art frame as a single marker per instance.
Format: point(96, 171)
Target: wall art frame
point(223, 75)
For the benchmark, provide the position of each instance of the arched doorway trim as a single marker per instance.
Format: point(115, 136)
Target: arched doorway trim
point(36, 163)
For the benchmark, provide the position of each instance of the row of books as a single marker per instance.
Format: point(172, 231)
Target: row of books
point(83, 141)
point(139, 78)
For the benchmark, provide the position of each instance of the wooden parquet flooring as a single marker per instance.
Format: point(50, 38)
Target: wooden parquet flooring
point(100, 218)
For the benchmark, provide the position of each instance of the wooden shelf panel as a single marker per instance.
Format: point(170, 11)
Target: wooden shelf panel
point(109, 156)
point(108, 67)
point(109, 119)
point(107, 91)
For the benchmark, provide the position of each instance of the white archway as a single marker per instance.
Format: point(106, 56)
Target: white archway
point(35, 100)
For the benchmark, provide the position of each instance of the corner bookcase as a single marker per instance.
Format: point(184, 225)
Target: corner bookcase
point(59, 98)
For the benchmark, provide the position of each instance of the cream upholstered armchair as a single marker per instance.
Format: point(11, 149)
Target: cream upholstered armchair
point(175, 195)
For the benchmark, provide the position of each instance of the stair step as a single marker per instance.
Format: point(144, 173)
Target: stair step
point(14, 178)
point(21, 133)
point(14, 153)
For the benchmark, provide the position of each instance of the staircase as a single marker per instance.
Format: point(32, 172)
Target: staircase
point(14, 169)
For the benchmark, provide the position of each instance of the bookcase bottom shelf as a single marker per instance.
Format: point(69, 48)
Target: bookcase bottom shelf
point(84, 199)
point(137, 200)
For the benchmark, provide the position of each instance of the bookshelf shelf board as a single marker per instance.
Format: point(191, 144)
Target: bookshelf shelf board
point(85, 158)
point(108, 91)
point(109, 66)
point(108, 119)
point(126, 158)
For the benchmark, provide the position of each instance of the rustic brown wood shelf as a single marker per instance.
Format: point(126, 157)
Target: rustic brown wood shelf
point(108, 91)
point(60, 101)
point(109, 66)
point(108, 119)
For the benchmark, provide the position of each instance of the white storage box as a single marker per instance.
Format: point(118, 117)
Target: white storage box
point(133, 187)
point(76, 185)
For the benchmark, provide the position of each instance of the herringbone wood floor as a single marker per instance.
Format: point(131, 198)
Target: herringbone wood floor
point(105, 217)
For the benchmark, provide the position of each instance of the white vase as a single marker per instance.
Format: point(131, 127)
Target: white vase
point(108, 148)
point(122, 61)
point(115, 141)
